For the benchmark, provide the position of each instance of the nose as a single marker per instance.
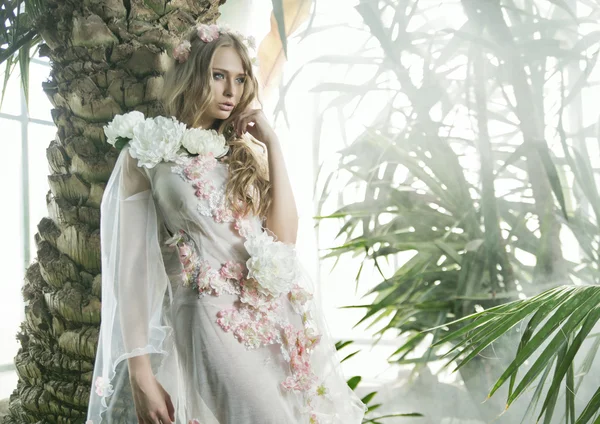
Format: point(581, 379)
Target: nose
point(229, 90)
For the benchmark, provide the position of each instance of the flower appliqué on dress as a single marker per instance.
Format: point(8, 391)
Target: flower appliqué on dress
point(198, 273)
point(212, 201)
point(267, 280)
point(103, 388)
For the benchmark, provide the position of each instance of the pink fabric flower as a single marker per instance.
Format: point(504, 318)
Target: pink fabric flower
point(252, 327)
point(199, 165)
point(181, 53)
point(203, 277)
point(223, 214)
point(300, 383)
point(242, 225)
point(217, 283)
point(226, 319)
point(232, 270)
point(254, 298)
point(247, 333)
point(208, 33)
point(103, 388)
point(299, 297)
point(194, 421)
point(185, 253)
point(203, 189)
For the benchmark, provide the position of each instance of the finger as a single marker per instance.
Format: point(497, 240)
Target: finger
point(152, 419)
point(238, 127)
point(237, 124)
point(241, 128)
point(246, 123)
point(164, 417)
point(245, 114)
point(170, 408)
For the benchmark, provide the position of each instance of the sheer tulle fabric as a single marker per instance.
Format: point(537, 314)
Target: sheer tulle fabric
point(212, 376)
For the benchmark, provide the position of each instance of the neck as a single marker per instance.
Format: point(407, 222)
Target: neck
point(206, 123)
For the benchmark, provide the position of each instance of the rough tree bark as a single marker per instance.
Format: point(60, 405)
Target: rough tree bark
point(107, 57)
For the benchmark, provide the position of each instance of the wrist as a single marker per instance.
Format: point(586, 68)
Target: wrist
point(271, 140)
point(139, 367)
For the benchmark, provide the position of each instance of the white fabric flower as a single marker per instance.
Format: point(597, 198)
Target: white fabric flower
point(156, 139)
point(273, 264)
point(122, 126)
point(201, 141)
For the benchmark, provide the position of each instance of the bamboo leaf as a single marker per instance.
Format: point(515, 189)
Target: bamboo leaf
point(550, 168)
point(280, 19)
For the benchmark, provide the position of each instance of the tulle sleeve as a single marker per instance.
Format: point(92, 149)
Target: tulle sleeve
point(136, 294)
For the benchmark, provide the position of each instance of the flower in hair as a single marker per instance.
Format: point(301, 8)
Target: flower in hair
point(249, 42)
point(208, 33)
point(182, 51)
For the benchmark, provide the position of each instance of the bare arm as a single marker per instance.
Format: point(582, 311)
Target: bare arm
point(282, 216)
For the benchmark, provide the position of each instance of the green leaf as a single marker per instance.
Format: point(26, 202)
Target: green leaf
point(368, 398)
point(7, 73)
point(353, 382)
point(349, 356)
point(567, 363)
point(24, 61)
point(121, 142)
point(573, 310)
point(590, 410)
point(341, 344)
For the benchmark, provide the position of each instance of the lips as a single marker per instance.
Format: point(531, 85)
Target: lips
point(227, 106)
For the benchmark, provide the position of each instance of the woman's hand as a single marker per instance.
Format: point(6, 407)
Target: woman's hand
point(256, 124)
point(153, 404)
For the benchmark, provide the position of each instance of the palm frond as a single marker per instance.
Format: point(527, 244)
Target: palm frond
point(558, 323)
point(18, 37)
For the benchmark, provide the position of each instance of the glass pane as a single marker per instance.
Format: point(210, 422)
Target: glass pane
point(40, 137)
point(8, 382)
point(11, 249)
point(12, 95)
point(39, 105)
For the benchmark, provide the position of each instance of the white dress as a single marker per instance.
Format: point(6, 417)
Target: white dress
point(226, 313)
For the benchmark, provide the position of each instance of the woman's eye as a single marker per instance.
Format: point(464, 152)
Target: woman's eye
point(218, 75)
point(241, 80)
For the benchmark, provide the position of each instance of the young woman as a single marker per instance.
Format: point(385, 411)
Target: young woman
point(207, 316)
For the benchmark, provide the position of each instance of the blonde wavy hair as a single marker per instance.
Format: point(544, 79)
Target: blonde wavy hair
point(187, 94)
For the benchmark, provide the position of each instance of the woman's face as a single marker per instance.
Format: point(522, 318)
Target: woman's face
point(228, 79)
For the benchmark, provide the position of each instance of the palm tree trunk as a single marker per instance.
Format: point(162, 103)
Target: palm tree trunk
point(107, 58)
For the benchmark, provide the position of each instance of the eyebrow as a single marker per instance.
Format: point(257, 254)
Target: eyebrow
point(227, 72)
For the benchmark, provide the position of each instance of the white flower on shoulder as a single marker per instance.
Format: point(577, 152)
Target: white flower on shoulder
point(155, 140)
point(122, 126)
point(272, 263)
point(201, 141)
